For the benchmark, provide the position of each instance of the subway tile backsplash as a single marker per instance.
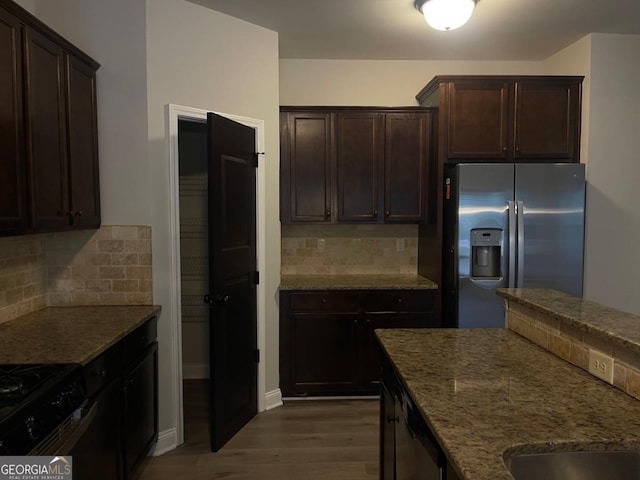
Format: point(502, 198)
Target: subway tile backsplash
point(108, 266)
point(349, 249)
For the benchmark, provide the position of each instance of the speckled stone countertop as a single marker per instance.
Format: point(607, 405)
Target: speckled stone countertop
point(355, 282)
point(609, 324)
point(68, 334)
point(484, 392)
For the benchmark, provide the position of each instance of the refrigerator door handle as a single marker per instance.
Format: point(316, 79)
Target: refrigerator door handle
point(520, 216)
point(512, 243)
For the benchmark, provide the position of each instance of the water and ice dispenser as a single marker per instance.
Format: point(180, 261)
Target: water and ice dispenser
point(486, 251)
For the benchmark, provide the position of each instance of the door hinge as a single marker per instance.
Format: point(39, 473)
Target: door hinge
point(257, 355)
point(256, 278)
point(255, 158)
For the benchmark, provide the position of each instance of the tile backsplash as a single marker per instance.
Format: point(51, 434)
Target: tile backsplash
point(108, 266)
point(349, 249)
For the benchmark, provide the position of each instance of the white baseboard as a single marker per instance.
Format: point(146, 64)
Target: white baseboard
point(167, 441)
point(195, 371)
point(273, 399)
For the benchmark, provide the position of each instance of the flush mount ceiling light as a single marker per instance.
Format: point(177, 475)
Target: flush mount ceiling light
point(445, 14)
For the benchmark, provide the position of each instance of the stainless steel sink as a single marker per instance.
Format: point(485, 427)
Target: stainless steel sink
point(585, 465)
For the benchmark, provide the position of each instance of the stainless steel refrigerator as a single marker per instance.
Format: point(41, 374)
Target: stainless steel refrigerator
point(509, 225)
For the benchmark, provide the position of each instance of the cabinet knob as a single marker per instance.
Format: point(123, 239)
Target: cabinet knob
point(399, 300)
point(355, 322)
point(79, 213)
point(324, 300)
point(504, 149)
point(517, 149)
point(387, 213)
point(327, 213)
point(72, 213)
point(375, 212)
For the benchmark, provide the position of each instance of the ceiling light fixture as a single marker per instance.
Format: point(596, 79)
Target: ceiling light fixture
point(445, 14)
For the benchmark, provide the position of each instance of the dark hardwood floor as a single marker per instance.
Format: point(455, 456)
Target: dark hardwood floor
point(310, 440)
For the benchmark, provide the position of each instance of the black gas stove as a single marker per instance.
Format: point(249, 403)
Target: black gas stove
point(35, 401)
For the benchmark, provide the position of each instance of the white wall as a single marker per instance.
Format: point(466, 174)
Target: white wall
point(376, 82)
point(114, 34)
point(612, 273)
point(200, 58)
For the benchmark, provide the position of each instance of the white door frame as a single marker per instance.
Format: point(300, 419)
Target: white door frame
point(176, 112)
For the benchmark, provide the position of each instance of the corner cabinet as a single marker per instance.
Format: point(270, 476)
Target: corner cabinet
point(511, 119)
point(327, 340)
point(48, 102)
point(354, 165)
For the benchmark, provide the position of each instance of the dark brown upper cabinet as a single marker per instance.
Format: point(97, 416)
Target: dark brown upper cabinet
point(48, 99)
point(305, 169)
point(13, 180)
point(354, 164)
point(511, 119)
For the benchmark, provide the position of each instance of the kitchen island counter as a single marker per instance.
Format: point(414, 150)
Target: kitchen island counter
point(356, 282)
point(485, 393)
point(69, 334)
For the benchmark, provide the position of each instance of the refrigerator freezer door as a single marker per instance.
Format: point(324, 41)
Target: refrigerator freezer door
point(484, 191)
point(551, 209)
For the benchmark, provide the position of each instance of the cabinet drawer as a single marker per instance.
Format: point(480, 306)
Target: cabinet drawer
point(103, 370)
point(397, 301)
point(139, 339)
point(340, 302)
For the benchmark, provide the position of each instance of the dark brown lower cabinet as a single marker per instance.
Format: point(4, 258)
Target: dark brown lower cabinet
point(122, 386)
point(327, 338)
point(140, 407)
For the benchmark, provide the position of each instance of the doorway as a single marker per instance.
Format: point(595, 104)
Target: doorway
point(190, 277)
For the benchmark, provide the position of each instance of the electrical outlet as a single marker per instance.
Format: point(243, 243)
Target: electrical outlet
point(601, 365)
point(399, 244)
point(322, 244)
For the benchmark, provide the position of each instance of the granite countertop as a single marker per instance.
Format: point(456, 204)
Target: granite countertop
point(613, 325)
point(69, 334)
point(356, 282)
point(484, 392)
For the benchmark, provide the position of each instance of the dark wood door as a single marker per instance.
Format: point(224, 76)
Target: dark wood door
point(46, 132)
point(546, 120)
point(359, 151)
point(13, 186)
point(323, 354)
point(233, 277)
point(306, 167)
point(477, 116)
point(140, 423)
point(405, 166)
point(84, 183)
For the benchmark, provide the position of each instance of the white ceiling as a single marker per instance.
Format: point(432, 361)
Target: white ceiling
point(394, 30)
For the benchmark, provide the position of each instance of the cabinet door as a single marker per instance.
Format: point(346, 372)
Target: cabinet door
point(140, 421)
point(477, 117)
point(547, 120)
point(305, 178)
point(359, 152)
point(323, 354)
point(13, 193)
point(83, 144)
point(46, 131)
point(405, 166)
